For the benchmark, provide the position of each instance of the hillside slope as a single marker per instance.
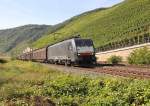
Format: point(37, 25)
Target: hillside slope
point(11, 38)
point(105, 25)
point(15, 40)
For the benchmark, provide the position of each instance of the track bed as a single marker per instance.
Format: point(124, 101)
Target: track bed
point(122, 71)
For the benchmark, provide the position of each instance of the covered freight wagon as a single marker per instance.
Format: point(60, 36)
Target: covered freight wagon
point(39, 55)
point(25, 56)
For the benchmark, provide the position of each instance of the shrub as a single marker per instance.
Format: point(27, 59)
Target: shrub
point(2, 61)
point(114, 59)
point(140, 56)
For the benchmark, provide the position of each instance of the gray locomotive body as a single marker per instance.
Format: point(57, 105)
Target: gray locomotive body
point(73, 51)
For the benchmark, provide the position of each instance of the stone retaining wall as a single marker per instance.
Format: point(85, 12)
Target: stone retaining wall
point(123, 52)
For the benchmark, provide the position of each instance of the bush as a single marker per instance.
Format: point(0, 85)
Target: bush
point(140, 56)
point(114, 59)
point(2, 61)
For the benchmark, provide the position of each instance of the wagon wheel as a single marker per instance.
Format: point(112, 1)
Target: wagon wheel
point(72, 64)
point(67, 63)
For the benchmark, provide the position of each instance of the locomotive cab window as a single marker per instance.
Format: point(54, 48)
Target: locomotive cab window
point(85, 42)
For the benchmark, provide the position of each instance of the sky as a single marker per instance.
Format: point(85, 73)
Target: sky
point(15, 13)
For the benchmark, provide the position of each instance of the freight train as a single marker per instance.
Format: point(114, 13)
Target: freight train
point(74, 51)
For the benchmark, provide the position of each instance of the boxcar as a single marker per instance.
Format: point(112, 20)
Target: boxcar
point(39, 55)
point(25, 56)
point(21, 57)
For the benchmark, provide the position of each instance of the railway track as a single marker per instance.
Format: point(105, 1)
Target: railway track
point(126, 72)
point(123, 71)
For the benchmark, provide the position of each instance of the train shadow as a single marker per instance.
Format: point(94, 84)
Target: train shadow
point(86, 66)
point(110, 65)
point(99, 65)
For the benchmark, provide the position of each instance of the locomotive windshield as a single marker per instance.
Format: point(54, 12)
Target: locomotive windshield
point(83, 42)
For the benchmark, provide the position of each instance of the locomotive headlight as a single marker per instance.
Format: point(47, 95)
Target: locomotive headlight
point(79, 54)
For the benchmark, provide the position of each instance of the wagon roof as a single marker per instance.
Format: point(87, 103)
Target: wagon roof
point(39, 48)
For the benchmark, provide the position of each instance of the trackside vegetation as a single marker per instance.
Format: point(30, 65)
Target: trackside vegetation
point(114, 59)
point(27, 83)
point(140, 56)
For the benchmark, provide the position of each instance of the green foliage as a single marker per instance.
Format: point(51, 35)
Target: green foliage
point(127, 19)
point(27, 83)
point(17, 39)
point(140, 56)
point(114, 59)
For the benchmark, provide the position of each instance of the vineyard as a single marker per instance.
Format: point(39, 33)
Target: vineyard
point(109, 27)
point(140, 35)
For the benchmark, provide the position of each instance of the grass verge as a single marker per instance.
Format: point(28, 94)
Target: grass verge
point(27, 83)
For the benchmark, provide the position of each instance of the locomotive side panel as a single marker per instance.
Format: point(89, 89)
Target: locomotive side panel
point(60, 52)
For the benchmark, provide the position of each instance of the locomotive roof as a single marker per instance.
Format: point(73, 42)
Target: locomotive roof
point(72, 37)
point(39, 48)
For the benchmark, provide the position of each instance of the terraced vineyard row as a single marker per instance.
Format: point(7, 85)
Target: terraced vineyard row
point(139, 35)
